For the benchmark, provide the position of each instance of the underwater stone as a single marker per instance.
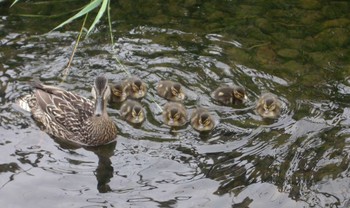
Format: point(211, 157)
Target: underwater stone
point(310, 4)
point(288, 53)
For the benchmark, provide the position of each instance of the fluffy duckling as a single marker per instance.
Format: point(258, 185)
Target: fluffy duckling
point(174, 114)
point(201, 120)
point(268, 106)
point(118, 94)
point(170, 90)
point(230, 95)
point(132, 111)
point(135, 87)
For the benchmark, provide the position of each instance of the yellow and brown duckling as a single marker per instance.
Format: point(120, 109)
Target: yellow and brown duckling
point(230, 95)
point(174, 114)
point(135, 87)
point(201, 120)
point(170, 90)
point(132, 111)
point(118, 94)
point(268, 106)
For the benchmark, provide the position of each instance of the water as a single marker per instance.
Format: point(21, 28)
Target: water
point(297, 50)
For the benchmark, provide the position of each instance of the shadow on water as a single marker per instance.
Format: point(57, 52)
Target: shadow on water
point(296, 50)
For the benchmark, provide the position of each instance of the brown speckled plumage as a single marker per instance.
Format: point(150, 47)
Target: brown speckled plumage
point(70, 117)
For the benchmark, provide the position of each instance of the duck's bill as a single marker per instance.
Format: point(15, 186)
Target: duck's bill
point(98, 106)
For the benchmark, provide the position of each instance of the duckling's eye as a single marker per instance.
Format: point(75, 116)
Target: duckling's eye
point(174, 91)
point(177, 116)
point(133, 113)
point(207, 122)
point(115, 91)
point(238, 95)
point(135, 87)
point(272, 107)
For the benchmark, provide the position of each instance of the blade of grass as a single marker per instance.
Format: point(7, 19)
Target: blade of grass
point(14, 2)
point(109, 22)
point(98, 16)
point(92, 5)
point(66, 70)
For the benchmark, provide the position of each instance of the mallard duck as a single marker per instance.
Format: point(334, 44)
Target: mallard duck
point(132, 111)
point(70, 117)
point(135, 87)
point(118, 94)
point(174, 114)
point(230, 95)
point(201, 120)
point(170, 90)
point(268, 106)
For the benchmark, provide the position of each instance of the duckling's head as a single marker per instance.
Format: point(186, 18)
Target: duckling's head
point(137, 114)
point(205, 122)
point(269, 105)
point(239, 93)
point(101, 93)
point(138, 88)
point(118, 90)
point(173, 116)
point(176, 90)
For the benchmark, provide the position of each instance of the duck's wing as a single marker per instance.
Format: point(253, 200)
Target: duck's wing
point(63, 107)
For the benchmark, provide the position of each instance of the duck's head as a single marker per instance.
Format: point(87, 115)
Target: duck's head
point(101, 93)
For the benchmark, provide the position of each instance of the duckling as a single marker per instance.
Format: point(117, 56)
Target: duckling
point(201, 120)
point(230, 95)
point(268, 106)
point(132, 111)
point(118, 94)
point(135, 87)
point(174, 114)
point(170, 90)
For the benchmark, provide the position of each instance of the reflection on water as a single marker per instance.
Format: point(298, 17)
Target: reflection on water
point(296, 50)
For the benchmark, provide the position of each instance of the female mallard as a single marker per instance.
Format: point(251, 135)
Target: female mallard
point(70, 117)
point(132, 111)
point(268, 106)
point(174, 114)
point(135, 87)
point(201, 120)
point(170, 90)
point(230, 95)
point(118, 94)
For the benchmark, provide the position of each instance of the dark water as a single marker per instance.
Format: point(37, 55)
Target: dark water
point(298, 50)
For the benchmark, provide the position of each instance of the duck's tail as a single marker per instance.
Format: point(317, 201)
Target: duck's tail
point(24, 102)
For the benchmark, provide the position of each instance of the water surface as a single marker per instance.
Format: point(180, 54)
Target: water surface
point(297, 50)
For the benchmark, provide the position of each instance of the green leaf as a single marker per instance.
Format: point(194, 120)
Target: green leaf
point(98, 16)
point(92, 5)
